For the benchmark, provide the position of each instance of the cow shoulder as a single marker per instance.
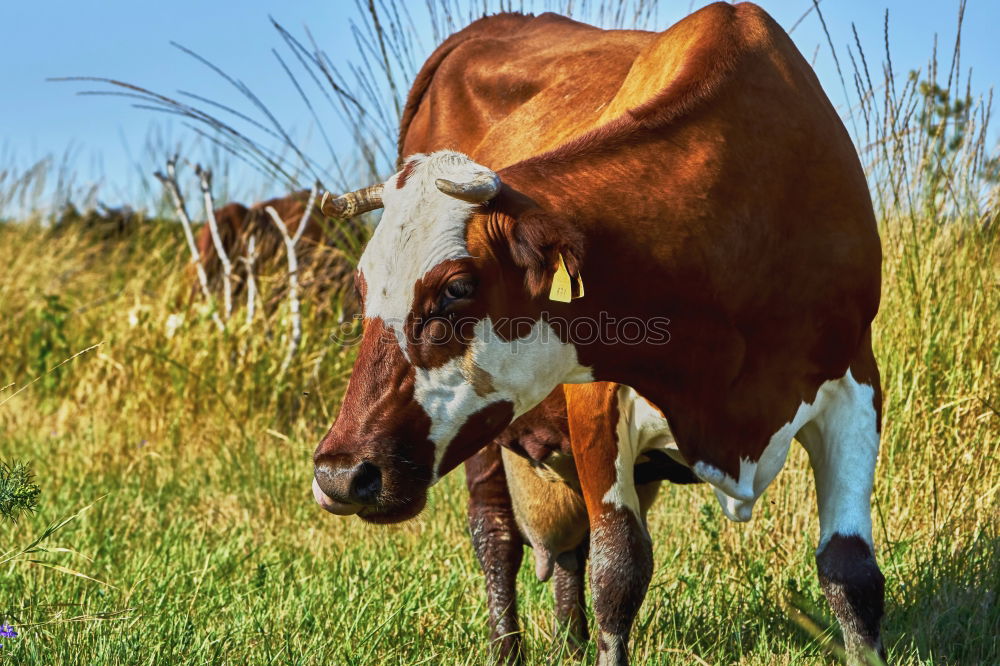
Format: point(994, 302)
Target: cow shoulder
point(510, 86)
point(687, 63)
point(485, 27)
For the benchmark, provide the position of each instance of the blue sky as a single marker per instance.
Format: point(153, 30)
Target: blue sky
point(129, 40)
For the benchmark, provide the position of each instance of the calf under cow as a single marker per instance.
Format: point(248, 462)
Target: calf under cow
point(700, 175)
point(524, 489)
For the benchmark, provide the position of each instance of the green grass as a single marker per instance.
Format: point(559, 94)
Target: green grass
point(201, 542)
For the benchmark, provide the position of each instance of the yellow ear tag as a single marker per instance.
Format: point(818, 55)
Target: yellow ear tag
point(562, 286)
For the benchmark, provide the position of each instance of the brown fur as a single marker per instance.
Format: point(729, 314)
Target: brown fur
point(855, 588)
point(499, 548)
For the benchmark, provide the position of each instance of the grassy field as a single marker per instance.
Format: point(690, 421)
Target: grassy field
point(185, 460)
point(182, 458)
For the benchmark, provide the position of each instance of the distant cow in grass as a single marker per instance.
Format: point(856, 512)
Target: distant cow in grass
point(324, 265)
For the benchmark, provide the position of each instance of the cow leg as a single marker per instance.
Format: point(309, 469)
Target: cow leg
point(621, 554)
point(498, 546)
point(571, 601)
point(843, 442)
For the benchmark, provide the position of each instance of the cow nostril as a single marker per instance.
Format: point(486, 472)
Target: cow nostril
point(366, 484)
point(347, 482)
point(329, 477)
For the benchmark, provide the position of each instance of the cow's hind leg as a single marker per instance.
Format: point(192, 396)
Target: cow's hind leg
point(498, 546)
point(571, 600)
point(842, 441)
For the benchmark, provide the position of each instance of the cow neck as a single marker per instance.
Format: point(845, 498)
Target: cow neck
point(627, 273)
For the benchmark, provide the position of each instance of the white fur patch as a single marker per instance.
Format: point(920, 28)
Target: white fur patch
point(420, 228)
point(843, 442)
point(524, 371)
point(737, 496)
point(844, 461)
point(838, 429)
point(641, 427)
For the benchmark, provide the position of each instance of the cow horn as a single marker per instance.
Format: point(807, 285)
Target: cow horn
point(478, 190)
point(352, 203)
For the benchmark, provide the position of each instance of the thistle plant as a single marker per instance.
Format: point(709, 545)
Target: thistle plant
point(18, 494)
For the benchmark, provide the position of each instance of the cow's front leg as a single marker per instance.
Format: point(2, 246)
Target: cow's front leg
point(621, 555)
point(498, 546)
point(571, 600)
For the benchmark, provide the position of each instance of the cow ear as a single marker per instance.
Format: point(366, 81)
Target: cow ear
point(537, 239)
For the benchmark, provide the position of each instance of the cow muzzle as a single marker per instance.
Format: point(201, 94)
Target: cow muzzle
point(344, 486)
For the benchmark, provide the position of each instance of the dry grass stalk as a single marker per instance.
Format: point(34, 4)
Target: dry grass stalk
point(169, 181)
point(251, 282)
point(293, 272)
point(205, 181)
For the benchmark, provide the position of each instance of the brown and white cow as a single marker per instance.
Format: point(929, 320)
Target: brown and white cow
point(523, 488)
point(700, 175)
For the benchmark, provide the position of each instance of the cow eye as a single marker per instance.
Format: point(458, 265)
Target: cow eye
point(458, 289)
point(453, 295)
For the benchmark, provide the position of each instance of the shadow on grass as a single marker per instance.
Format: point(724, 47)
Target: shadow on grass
point(942, 605)
point(944, 608)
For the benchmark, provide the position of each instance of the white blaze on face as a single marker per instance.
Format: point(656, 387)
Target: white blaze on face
point(422, 227)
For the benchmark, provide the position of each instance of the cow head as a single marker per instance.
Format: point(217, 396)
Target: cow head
point(454, 345)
